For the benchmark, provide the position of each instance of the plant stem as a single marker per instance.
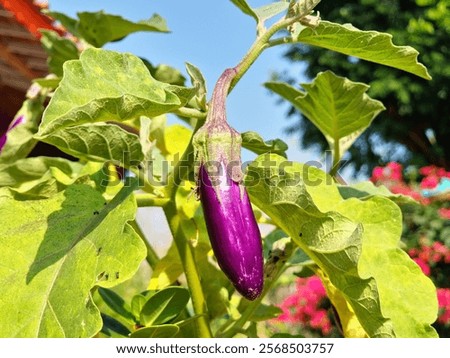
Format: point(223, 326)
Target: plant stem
point(144, 199)
point(186, 253)
point(280, 41)
point(262, 42)
point(336, 158)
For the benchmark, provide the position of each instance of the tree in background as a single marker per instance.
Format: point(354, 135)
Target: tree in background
point(414, 128)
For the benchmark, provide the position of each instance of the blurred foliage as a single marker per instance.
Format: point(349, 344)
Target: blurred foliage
point(415, 127)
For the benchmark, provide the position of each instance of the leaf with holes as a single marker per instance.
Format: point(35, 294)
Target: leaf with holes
point(55, 252)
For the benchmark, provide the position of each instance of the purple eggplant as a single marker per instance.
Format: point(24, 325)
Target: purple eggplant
point(233, 231)
point(231, 224)
point(14, 123)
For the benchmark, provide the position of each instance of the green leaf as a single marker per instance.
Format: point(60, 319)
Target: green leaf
point(268, 11)
point(99, 142)
point(59, 50)
point(112, 327)
point(168, 74)
point(68, 22)
point(371, 46)
point(265, 312)
point(50, 83)
point(99, 28)
point(20, 139)
point(55, 251)
point(108, 86)
point(116, 303)
point(264, 12)
point(286, 335)
point(156, 331)
point(164, 306)
point(167, 270)
point(39, 176)
point(165, 73)
point(366, 189)
point(354, 242)
point(105, 86)
point(199, 82)
point(245, 8)
point(253, 141)
point(338, 107)
point(348, 321)
point(408, 297)
point(137, 302)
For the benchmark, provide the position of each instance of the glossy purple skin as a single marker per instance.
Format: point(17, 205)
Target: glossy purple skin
point(233, 232)
point(13, 124)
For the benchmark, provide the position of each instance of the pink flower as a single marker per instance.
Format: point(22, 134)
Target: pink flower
point(444, 213)
point(413, 252)
point(439, 247)
point(441, 173)
point(395, 171)
point(425, 254)
point(423, 266)
point(377, 174)
point(315, 284)
point(304, 306)
point(443, 296)
point(429, 182)
point(428, 170)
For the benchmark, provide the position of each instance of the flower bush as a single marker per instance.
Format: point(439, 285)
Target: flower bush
point(308, 306)
point(426, 238)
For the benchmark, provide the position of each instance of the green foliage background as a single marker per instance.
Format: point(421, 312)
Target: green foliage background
point(413, 105)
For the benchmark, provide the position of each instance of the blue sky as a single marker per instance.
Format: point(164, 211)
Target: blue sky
point(212, 37)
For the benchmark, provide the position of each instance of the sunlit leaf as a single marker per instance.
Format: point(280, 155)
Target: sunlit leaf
point(371, 46)
point(98, 28)
point(338, 107)
point(354, 242)
point(39, 176)
point(55, 251)
point(253, 141)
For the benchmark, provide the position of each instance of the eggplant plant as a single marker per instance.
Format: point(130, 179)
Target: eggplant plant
point(76, 263)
